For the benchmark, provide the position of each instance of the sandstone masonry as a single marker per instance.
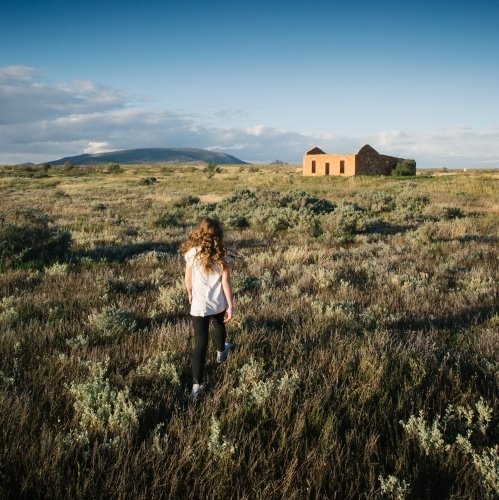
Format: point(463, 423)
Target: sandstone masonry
point(367, 161)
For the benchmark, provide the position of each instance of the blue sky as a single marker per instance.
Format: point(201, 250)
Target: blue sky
point(257, 79)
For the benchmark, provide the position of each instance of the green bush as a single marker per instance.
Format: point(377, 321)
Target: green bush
point(185, 201)
point(405, 168)
point(212, 168)
point(111, 324)
point(147, 181)
point(172, 299)
point(376, 201)
point(114, 168)
point(237, 222)
point(268, 210)
point(410, 204)
point(26, 234)
point(103, 409)
point(159, 368)
point(347, 219)
point(167, 219)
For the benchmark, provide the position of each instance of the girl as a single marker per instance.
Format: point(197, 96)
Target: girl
point(207, 279)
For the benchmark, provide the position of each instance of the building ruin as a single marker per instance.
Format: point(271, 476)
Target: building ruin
point(367, 161)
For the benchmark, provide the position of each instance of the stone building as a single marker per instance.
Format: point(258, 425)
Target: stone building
point(367, 161)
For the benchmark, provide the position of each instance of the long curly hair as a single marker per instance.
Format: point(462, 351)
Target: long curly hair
point(207, 238)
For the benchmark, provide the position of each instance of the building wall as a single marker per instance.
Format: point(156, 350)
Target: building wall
point(369, 162)
point(334, 164)
point(391, 161)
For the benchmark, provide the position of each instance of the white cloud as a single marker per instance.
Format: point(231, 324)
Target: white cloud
point(456, 141)
point(16, 74)
point(25, 100)
point(231, 114)
point(96, 147)
point(458, 146)
point(234, 146)
point(41, 122)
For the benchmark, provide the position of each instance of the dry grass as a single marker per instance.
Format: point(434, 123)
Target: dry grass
point(343, 337)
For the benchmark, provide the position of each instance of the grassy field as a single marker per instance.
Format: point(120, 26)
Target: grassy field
point(367, 349)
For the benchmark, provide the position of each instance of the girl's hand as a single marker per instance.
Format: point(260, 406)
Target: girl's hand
point(228, 315)
point(190, 298)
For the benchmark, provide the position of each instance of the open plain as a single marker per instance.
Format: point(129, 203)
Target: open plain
point(367, 349)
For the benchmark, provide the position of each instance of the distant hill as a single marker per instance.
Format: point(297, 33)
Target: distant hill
point(152, 155)
point(278, 162)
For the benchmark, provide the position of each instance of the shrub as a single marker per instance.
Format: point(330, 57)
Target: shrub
point(426, 233)
point(68, 165)
point(298, 200)
point(347, 219)
point(453, 213)
point(212, 168)
point(405, 168)
point(26, 234)
point(167, 219)
point(393, 488)
point(460, 432)
point(410, 204)
point(270, 219)
point(59, 194)
point(237, 222)
point(160, 367)
point(256, 387)
point(242, 284)
point(437, 212)
point(168, 170)
point(100, 407)
point(269, 210)
point(6, 381)
point(172, 300)
point(376, 201)
point(185, 201)
point(57, 269)
point(112, 323)
point(8, 315)
point(218, 445)
point(80, 341)
point(114, 168)
point(147, 181)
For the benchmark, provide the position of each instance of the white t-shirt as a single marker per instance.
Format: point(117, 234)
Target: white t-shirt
point(207, 293)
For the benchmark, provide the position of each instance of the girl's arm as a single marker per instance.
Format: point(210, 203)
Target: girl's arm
point(227, 288)
point(188, 280)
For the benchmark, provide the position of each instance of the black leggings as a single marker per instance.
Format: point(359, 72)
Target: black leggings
point(201, 327)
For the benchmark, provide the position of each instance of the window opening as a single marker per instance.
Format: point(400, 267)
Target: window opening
point(327, 168)
point(342, 166)
point(313, 166)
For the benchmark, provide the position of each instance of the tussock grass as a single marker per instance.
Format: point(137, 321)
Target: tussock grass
point(366, 361)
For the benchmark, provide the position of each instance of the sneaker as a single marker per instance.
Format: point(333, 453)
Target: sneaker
point(222, 355)
point(197, 389)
